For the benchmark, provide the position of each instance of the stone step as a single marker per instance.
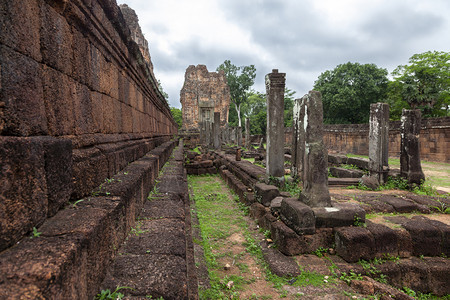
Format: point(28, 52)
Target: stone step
point(332, 181)
point(69, 258)
point(157, 257)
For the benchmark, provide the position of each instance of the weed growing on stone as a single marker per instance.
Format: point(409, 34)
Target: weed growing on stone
point(358, 222)
point(74, 204)
point(108, 295)
point(320, 251)
point(347, 278)
point(35, 233)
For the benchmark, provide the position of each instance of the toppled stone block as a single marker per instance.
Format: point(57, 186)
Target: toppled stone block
point(362, 163)
point(354, 243)
point(337, 159)
point(264, 193)
point(257, 210)
point(340, 214)
point(297, 216)
point(345, 173)
point(426, 238)
point(370, 182)
point(288, 242)
point(279, 264)
point(400, 205)
point(275, 204)
point(386, 240)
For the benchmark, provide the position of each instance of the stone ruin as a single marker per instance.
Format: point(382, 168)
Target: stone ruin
point(203, 94)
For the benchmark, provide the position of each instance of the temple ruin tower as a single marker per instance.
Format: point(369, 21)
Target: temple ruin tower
point(203, 94)
point(136, 33)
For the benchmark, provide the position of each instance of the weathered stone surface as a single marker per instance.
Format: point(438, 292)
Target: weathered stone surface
point(315, 161)
point(370, 181)
point(410, 166)
point(157, 275)
point(161, 236)
point(426, 238)
point(288, 242)
point(275, 83)
point(279, 264)
point(23, 189)
point(297, 216)
point(379, 141)
point(340, 214)
point(345, 173)
point(132, 21)
point(354, 243)
point(386, 240)
point(264, 193)
point(216, 131)
point(204, 93)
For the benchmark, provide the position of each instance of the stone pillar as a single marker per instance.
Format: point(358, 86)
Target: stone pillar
point(239, 136)
point(298, 138)
point(216, 130)
point(275, 83)
point(207, 133)
point(379, 141)
point(315, 159)
point(233, 135)
point(410, 166)
point(247, 134)
point(202, 128)
point(225, 134)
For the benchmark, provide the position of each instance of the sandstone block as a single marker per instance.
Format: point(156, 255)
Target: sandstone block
point(265, 193)
point(341, 214)
point(297, 216)
point(23, 192)
point(354, 243)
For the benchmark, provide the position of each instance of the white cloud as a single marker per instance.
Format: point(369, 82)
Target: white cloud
point(299, 37)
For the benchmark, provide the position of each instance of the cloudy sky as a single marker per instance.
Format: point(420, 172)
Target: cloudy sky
point(301, 38)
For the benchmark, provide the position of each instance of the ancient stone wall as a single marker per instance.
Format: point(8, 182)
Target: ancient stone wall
point(78, 102)
point(434, 139)
point(204, 93)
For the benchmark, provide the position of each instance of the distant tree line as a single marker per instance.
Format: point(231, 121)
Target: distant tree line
point(349, 89)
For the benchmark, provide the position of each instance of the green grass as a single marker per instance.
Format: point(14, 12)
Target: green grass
point(219, 217)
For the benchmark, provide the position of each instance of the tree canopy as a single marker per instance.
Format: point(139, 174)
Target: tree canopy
point(177, 116)
point(349, 89)
point(240, 80)
point(424, 83)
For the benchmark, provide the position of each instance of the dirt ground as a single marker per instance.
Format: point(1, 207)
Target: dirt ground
point(258, 287)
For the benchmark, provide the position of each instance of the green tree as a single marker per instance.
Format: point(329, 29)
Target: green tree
point(160, 88)
point(288, 107)
point(349, 89)
point(240, 80)
point(255, 109)
point(424, 83)
point(177, 116)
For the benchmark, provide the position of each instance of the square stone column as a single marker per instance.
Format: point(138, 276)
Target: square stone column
point(315, 159)
point(247, 134)
point(410, 166)
point(216, 130)
point(239, 136)
point(208, 133)
point(275, 83)
point(379, 141)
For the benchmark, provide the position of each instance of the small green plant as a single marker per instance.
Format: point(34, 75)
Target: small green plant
point(320, 251)
point(358, 222)
point(35, 233)
point(74, 204)
point(138, 230)
point(347, 278)
point(442, 207)
point(108, 295)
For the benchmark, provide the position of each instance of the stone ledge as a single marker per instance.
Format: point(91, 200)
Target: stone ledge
point(70, 257)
